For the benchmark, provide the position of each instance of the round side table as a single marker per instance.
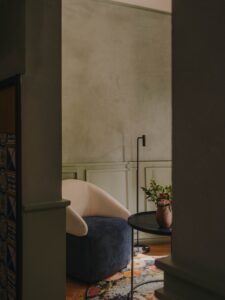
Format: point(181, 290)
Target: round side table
point(145, 222)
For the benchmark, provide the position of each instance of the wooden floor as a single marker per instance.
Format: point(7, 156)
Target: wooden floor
point(76, 291)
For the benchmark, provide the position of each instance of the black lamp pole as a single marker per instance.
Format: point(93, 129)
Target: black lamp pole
point(143, 138)
point(137, 177)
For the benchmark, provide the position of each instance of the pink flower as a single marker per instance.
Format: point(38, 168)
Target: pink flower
point(164, 202)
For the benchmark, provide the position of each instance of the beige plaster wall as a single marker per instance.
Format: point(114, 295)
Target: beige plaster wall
point(116, 72)
point(162, 5)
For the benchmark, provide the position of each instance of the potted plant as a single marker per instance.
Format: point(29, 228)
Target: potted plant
point(162, 197)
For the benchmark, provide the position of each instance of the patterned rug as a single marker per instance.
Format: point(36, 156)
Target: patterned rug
point(117, 287)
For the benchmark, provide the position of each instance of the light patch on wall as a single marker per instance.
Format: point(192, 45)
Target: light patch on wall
point(116, 82)
point(161, 5)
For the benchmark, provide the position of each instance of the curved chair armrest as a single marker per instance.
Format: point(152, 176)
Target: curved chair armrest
point(103, 204)
point(75, 224)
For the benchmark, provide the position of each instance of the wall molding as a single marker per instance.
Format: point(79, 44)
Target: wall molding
point(183, 284)
point(34, 207)
point(126, 164)
point(119, 179)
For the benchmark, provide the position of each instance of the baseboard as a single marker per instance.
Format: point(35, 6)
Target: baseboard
point(148, 238)
point(183, 284)
point(156, 240)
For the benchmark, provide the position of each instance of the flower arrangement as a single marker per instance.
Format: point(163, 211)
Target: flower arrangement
point(160, 195)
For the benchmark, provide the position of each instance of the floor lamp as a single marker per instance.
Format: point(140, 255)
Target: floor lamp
point(142, 138)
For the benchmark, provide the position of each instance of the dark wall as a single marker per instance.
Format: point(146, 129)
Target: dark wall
point(12, 38)
point(35, 51)
point(198, 133)
point(41, 102)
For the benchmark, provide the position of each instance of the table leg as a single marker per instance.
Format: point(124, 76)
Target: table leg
point(132, 265)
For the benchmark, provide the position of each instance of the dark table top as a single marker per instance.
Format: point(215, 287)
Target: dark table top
point(146, 222)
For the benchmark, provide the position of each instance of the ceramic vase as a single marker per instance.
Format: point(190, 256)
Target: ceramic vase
point(164, 216)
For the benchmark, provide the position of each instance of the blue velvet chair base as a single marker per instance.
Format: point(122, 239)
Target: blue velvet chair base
point(105, 250)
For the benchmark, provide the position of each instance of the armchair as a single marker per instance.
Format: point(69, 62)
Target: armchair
point(98, 236)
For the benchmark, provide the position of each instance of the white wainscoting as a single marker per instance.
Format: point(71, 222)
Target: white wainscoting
point(119, 179)
point(114, 181)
